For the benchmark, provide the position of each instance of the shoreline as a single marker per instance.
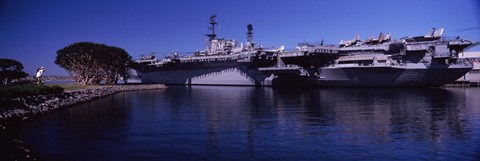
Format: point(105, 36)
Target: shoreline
point(32, 106)
point(35, 106)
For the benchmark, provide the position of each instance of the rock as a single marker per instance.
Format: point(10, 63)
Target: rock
point(33, 105)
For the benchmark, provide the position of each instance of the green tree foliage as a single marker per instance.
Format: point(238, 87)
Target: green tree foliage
point(10, 70)
point(91, 62)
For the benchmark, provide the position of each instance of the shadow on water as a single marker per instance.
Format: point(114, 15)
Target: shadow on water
point(259, 123)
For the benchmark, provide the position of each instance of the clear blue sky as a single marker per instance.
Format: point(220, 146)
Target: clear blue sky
point(31, 31)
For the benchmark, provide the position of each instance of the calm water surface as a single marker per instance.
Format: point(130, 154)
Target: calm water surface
point(252, 123)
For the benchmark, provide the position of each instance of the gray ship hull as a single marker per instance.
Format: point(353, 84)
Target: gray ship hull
point(330, 76)
point(389, 76)
point(238, 75)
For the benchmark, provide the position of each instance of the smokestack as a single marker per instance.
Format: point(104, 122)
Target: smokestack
point(250, 35)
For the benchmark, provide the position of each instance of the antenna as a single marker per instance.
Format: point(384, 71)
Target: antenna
point(212, 36)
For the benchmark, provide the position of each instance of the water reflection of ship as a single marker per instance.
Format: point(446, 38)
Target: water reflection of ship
point(382, 115)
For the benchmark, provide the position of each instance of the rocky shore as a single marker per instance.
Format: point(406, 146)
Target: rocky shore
point(11, 148)
point(23, 108)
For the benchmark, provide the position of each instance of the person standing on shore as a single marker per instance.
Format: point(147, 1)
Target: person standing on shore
point(39, 74)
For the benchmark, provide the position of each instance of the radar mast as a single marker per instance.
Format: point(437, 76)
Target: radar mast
point(212, 36)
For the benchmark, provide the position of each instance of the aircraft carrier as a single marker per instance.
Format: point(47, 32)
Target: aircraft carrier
point(430, 60)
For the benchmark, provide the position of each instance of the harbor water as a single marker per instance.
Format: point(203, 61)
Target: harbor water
point(263, 123)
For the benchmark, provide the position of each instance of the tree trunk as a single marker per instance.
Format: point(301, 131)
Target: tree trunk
point(86, 80)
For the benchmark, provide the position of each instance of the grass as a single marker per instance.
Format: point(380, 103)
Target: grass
point(22, 90)
point(29, 89)
point(71, 87)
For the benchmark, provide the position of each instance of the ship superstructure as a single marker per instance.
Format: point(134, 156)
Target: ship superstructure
point(430, 60)
point(223, 62)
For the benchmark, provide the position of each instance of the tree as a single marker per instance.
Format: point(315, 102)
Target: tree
point(91, 62)
point(117, 64)
point(10, 70)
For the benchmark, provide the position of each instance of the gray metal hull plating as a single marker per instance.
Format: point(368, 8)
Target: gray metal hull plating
point(208, 76)
point(389, 76)
point(329, 76)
